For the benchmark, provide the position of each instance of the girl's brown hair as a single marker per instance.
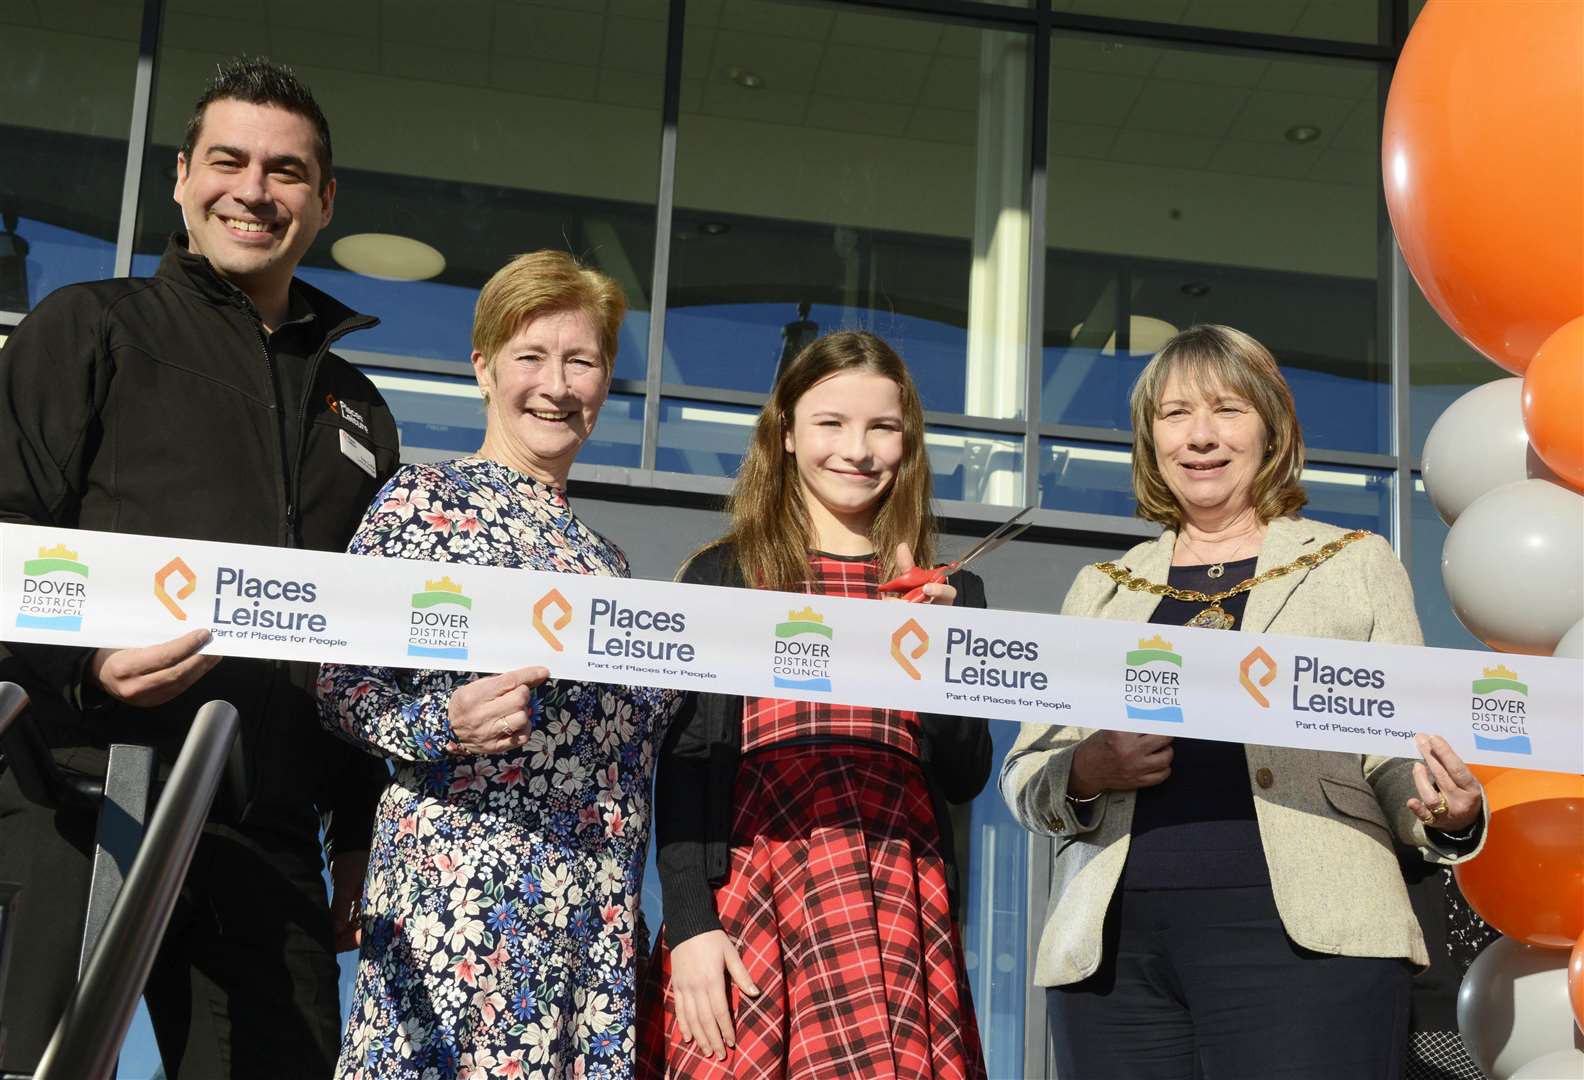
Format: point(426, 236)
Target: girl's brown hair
point(1213, 357)
point(771, 532)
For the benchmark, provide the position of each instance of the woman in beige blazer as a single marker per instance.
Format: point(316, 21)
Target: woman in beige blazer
point(1221, 910)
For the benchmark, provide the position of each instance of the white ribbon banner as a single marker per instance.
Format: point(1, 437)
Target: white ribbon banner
point(72, 587)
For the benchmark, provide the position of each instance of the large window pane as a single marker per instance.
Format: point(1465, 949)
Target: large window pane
point(1193, 185)
point(1333, 20)
point(65, 112)
point(1350, 498)
point(1442, 367)
point(1441, 627)
point(481, 129)
point(442, 417)
point(840, 168)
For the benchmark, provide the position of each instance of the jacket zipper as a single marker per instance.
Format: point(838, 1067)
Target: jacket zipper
point(311, 377)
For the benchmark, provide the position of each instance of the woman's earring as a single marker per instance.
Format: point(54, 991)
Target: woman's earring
point(486, 396)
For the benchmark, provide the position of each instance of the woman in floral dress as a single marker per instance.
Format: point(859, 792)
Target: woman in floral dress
point(499, 925)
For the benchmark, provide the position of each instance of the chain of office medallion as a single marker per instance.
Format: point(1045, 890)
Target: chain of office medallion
point(1302, 562)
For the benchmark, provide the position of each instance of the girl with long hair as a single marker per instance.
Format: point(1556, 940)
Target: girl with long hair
point(804, 848)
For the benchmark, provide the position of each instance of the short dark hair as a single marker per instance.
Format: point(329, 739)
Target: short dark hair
point(258, 81)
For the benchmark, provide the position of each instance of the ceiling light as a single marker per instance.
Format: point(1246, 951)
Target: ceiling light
point(388, 256)
point(744, 78)
point(1195, 289)
point(1146, 335)
point(1303, 133)
point(714, 228)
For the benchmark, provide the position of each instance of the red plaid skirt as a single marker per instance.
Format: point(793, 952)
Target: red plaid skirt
point(837, 904)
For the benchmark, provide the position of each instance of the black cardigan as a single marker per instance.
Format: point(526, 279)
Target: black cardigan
point(697, 773)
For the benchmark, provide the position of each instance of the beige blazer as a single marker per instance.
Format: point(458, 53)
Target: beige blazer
point(1326, 819)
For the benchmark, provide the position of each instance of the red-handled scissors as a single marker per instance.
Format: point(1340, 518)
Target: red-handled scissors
point(911, 584)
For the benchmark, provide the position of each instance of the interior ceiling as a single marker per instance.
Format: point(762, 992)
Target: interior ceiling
point(825, 67)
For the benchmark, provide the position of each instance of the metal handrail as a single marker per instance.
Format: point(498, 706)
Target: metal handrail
point(88, 1038)
point(41, 780)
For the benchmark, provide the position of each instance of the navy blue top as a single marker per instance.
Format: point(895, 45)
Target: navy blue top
point(1196, 830)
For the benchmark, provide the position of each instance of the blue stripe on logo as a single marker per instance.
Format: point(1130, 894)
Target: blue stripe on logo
point(50, 622)
point(821, 685)
point(1512, 744)
point(1171, 714)
point(451, 653)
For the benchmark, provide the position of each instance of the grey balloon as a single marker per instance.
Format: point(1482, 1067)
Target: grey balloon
point(1562, 1065)
point(1477, 445)
point(1572, 643)
point(1513, 566)
point(1513, 1007)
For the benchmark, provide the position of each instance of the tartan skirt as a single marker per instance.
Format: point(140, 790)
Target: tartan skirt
point(837, 903)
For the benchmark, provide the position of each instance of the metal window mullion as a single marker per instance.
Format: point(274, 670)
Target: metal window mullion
point(665, 198)
point(1395, 295)
point(1038, 186)
point(138, 136)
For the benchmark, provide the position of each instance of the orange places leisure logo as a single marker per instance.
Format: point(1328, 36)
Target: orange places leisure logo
point(554, 599)
point(168, 596)
point(1265, 678)
point(902, 655)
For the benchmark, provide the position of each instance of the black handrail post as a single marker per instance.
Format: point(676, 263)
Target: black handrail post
point(87, 1041)
point(129, 780)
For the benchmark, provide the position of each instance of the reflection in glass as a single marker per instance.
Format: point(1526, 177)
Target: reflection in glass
point(1436, 618)
point(440, 417)
point(1442, 367)
point(1097, 478)
point(1331, 20)
point(65, 110)
point(703, 438)
point(995, 919)
point(1350, 498)
point(1192, 185)
point(482, 132)
point(839, 169)
point(976, 466)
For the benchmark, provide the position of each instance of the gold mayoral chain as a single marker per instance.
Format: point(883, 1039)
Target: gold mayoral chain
point(1213, 617)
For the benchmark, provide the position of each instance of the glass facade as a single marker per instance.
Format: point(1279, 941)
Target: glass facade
point(1025, 198)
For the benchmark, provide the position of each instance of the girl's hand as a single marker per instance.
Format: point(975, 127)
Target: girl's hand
point(1450, 797)
point(942, 594)
point(492, 715)
point(698, 988)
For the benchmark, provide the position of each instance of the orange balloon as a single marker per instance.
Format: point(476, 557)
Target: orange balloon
point(1486, 773)
point(1482, 154)
point(1553, 399)
point(1576, 982)
point(1528, 882)
point(1518, 786)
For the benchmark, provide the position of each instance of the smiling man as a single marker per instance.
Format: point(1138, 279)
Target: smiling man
point(201, 402)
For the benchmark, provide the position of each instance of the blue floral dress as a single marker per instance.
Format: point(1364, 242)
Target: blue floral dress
point(501, 906)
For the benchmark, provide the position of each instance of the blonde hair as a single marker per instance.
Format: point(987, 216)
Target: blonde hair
point(771, 532)
point(1208, 358)
point(541, 282)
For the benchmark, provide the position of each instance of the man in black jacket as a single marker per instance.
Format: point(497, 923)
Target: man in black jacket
point(201, 403)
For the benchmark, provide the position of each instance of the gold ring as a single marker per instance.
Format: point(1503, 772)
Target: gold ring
point(1440, 807)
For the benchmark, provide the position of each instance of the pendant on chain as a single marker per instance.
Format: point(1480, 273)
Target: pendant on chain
point(1216, 570)
point(1213, 618)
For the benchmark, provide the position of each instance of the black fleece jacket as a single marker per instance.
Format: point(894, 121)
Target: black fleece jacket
point(697, 773)
point(152, 406)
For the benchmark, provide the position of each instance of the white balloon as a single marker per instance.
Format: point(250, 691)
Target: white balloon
point(1572, 643)
point(1477, 445)
point(1562, 1065)
point(1513, 566)
point(1513, 1006)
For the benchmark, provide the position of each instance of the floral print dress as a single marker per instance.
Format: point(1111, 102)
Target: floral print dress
point(501, 905)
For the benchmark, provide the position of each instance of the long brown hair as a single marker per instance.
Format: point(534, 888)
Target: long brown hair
point(771, 531)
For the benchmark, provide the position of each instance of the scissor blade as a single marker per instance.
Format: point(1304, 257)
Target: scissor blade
point(1009, 530)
